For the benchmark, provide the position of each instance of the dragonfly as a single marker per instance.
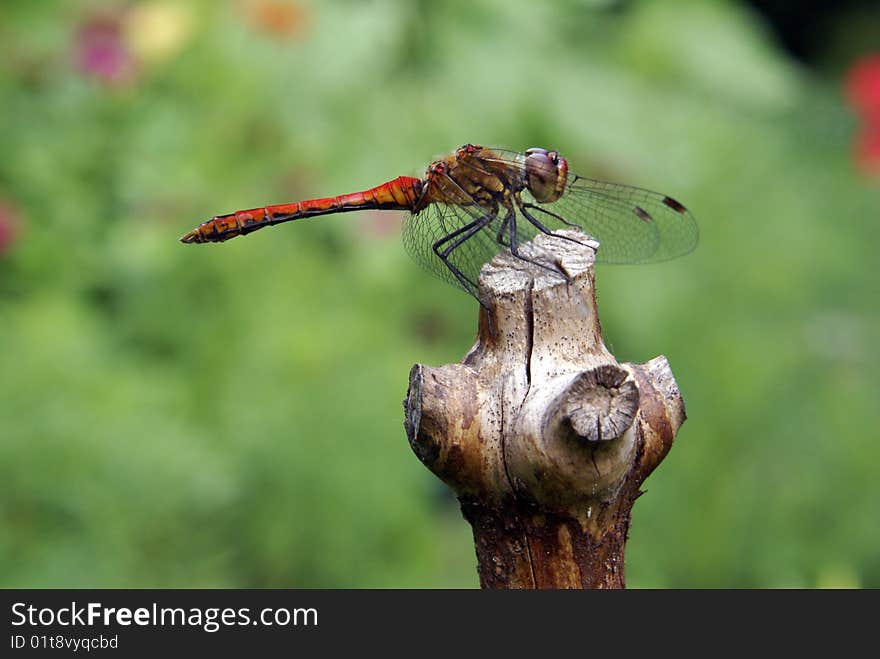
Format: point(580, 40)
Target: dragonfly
point(477, 201)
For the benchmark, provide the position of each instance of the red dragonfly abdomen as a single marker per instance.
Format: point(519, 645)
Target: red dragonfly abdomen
point(400, 194)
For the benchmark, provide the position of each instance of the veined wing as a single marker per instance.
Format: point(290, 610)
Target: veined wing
point(437, 221)
point(632, 225)
point(449, 222)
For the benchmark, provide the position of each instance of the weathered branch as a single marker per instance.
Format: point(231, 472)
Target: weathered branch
point(543, 436)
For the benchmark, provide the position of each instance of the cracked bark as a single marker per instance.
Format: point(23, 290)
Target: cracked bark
point(544, 437)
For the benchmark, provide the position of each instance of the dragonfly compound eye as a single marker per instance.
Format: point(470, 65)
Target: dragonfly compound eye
point(546, 174)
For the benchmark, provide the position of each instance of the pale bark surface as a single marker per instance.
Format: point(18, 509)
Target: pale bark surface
point(544, 437)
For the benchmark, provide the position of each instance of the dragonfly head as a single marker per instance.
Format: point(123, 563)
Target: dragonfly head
point(546, 174)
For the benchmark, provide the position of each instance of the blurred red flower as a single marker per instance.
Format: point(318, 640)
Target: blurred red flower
point(101, 50)
point(8, 221)
point(863, 87)
point(863, 95)
point(278, 18)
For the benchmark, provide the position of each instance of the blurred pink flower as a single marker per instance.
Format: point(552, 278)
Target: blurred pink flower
point(101, 51)
point(863, 87)
point(8, 226)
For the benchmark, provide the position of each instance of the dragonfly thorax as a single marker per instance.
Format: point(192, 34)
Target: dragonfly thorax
point(546, 174)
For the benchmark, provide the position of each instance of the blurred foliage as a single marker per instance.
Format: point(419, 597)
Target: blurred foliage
point(230, 415)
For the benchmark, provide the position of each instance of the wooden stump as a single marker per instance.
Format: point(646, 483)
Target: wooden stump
point(544, 437)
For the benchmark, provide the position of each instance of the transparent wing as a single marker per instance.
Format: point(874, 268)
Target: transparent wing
point(632, 225)
point(462, 231)
point(423, 230)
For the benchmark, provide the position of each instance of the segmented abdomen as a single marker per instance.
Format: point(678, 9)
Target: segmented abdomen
point(400, 194)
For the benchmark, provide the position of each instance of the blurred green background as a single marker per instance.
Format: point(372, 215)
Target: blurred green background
point(230, 415)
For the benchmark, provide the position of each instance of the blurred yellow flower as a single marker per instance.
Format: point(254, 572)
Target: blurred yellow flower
point(156, 31)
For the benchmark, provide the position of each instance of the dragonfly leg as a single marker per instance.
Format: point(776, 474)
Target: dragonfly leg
point(458, 238)
point(531, 219)
point(540, 226)
point(510, 221)
point(499, 237)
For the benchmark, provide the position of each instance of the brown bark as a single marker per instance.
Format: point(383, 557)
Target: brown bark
point(541, 433)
